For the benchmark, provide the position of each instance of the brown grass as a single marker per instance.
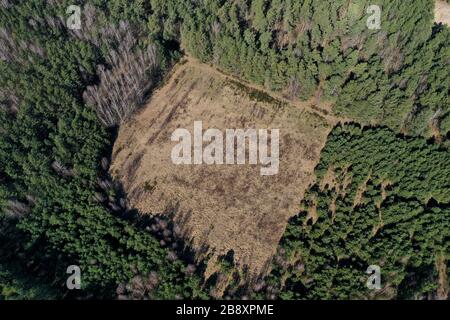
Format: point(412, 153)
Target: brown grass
point(219, 207)
point(442, 12)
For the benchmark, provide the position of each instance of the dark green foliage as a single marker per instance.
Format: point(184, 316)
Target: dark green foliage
point(385, 202)
point(21, 276)
point(51, 148)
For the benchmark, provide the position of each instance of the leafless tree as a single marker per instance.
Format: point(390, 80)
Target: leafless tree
point(6, 4)
point(9, 100)
point(294, 88)
point(61, 169)
point(105, 184)
point(435, 118)
point(123, 203)
point(9, 49)
point(126, 77)
point(16, 209)
point(421, 86)
point(105, 163)
point(31, 199)
point(88, 31)
point(99, 197)
point(138, 288)
point(215, 27)
point(122, 87)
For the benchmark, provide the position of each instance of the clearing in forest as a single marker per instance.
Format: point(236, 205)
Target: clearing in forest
point(220, 207)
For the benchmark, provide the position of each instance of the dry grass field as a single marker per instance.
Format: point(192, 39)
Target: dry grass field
point(442, 12)
point(219, 207)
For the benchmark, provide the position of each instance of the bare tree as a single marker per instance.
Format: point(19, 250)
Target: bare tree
point(9, 100)
point(16, 209)
point(122, 88)
point(88, 31)
point(127, 76)
point(294, 87)
point(11, 50)
point(216, 27)
point(61, 169)
point(436, 117)
point(139, 287)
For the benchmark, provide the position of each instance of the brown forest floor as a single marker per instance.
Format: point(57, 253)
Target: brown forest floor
point(442, 12)
point(220, 207)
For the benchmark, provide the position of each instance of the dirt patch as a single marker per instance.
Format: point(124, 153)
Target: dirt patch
point(442, 12)
point(441, 266)
point(219, 207)
point(360, 192)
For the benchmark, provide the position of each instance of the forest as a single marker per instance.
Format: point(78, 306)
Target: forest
point(64, 92)
point(396, 76)
point(374, 203)
point(59, 206)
